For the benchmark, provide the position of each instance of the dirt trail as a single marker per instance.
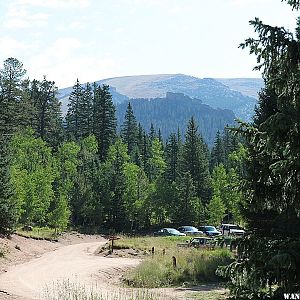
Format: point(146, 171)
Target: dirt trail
point(28, 280)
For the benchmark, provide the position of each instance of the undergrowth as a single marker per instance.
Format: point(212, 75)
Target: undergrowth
point(193, 266)
point(45, 233)
point(73, 290)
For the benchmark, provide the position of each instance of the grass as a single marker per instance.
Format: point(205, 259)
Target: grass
point(209, 295)
point(73, 290)
point(40, 233)
point(146, 243)
point(194, 266)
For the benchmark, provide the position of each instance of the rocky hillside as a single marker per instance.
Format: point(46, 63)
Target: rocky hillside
point(174, 110)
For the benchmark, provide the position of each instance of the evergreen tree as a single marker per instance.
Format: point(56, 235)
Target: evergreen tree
point(86, 111)
point(172, 153)
point(104, 120)
point(73, 114)
point(8, 213)
point(187, 207)
point(269, 260)
point(86, 198)
point(11, 77)
point(129, 130)
point(217, 153)
point(116, 161)
point(49, 118)
point(195, 161)
point(152, 134)
point(79, 118)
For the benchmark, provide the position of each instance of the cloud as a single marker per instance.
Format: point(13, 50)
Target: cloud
point(19, 17)
point(11, 47)
point(55, 3)
point(68, 58)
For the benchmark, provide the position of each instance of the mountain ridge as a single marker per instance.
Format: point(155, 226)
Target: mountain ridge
point(223, 93)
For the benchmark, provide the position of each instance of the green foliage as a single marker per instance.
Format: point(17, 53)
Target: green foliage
point(129, 130)
point(104, 120)
point(135, 197)
point(38, 233)
point(47, 121)
point(215, 210)
point(268, 263)
point(195, 161)
point(156, 161)
point(33, 174)
point(187, 207)
point(67, 163)
point(11, 89)
point(79, 118)
point(175, 110)
point(7, 201)
point(194, 266)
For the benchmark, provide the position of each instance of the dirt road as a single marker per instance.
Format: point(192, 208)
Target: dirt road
point(28, 280)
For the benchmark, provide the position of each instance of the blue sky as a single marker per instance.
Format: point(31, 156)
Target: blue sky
point(96, 39)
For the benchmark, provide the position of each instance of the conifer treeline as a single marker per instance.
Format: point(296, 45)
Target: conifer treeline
point(80, 171)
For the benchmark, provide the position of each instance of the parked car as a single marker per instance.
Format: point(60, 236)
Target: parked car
point(190, 230)
point(231, 229)
point(199, 242)
point(210, 230)
point(168, 232)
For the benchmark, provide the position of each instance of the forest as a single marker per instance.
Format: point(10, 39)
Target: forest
point(81, 171)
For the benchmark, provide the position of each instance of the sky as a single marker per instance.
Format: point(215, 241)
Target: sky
point(96, 39)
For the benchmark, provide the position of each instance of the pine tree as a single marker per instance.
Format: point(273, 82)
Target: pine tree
point(195, 161)
point(269, 260)
point(104, 120)
point(145, 154)
point(8, 214)
point(172, 153)
point(187, 207)
point(152, 134)
point(49, 117)
point(129, 130)
point(86, 111)
point(217, 152)
point(116, 161)
point(73, 114)
point(11, 77)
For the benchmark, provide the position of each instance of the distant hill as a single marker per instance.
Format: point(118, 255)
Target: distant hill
point(211, 91)
point(238, 94)
point(247, 86)
point(173, 112)
point(63, 96)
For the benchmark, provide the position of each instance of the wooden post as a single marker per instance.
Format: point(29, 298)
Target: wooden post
point(174, 262)
point(112, 238)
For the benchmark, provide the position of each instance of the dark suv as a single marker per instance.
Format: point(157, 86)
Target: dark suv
point(209, 230)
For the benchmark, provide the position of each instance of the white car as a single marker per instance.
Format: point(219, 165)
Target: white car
point(231, 229)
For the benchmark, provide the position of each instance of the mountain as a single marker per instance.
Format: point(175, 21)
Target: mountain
point(63, 96)
point(173, 112)
point(211, 91)
point(237, 94)
point(247, 86)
